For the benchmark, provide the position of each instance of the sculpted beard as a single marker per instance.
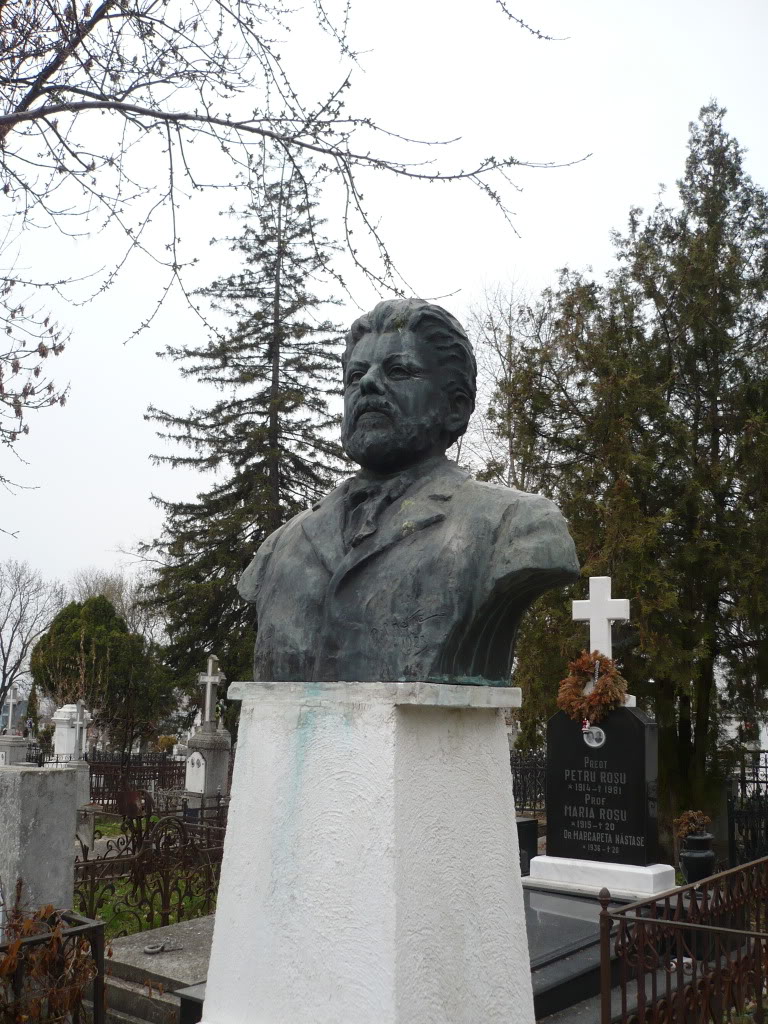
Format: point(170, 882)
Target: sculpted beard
point(381, 440)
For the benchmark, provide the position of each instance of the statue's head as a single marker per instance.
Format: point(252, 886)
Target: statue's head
point(409, 384)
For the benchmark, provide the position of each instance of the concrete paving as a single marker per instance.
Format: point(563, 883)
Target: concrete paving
point(176, 968)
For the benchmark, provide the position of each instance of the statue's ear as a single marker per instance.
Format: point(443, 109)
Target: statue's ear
point(459, 412)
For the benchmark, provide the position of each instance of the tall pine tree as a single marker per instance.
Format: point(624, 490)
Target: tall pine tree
point(270, 437)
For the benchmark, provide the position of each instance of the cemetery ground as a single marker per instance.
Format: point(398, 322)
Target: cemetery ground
point(153, 879)
point(145, 875)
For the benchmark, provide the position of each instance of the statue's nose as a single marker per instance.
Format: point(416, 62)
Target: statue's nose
point(370, 383)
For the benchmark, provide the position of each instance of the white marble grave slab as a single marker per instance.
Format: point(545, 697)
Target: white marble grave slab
point(588, 877)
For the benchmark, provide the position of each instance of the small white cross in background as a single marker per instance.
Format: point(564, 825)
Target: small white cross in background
point(79, 731)
point(600, 611)
point(13, 694)
point(211, 680)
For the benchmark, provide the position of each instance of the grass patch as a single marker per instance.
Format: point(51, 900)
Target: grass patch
point(130, 909)
point(110, 825)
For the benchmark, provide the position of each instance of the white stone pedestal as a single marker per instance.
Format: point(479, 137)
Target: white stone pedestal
point(588, 877)
point(371, 871)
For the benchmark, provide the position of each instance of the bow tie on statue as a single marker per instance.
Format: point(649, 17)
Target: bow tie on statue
point(364, 502)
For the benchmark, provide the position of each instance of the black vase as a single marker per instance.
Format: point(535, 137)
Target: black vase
point(697, 858)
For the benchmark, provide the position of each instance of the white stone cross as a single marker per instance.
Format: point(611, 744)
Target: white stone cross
point(211, 680)
point(79, 731)
point(12, 698)
point(600, 611)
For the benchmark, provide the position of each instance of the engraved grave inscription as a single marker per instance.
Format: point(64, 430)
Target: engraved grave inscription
point(602, 803)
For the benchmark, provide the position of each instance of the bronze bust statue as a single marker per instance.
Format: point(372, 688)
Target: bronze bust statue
point(410, 569)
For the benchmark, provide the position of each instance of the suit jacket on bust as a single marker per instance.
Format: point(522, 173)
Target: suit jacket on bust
point(436, 592)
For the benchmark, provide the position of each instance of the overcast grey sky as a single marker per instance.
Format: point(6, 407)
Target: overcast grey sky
point(622, 86)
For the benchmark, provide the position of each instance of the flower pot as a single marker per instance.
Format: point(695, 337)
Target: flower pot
point(697, 858)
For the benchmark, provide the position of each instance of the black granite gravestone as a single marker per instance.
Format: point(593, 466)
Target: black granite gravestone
point(602, 800)
point(528, 842)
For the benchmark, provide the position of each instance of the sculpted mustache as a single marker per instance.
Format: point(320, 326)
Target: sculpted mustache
point(372, 405)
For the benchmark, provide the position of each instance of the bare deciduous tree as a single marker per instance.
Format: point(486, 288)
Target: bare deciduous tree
point(505, 443)
point(28, 603)
point(125, 591)
point(31, 336)
point(112, 113)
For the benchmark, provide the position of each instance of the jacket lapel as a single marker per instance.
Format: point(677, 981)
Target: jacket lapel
point(423, 505)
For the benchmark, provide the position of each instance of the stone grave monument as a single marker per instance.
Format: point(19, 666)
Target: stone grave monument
point(209, 748)
point(70, 724)
point(602, 787)
point(37, 808)
point(371, 871)
point(10, 712)
point(13, 748)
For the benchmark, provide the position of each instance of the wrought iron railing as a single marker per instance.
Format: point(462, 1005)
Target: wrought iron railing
point(36, 755)
point(748, 808)
point(750, 776)
point(212, 810)
point(109, 779)
point(747, 828)
point(50, 975)
point(119, 757)
point(152, 874)
point(529, 780)
point(696, 954)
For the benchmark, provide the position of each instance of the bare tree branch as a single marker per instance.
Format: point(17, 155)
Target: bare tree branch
point(93, 96)
point(28, 603)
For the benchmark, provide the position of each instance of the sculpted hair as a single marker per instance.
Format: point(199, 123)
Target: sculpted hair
point(432, 325)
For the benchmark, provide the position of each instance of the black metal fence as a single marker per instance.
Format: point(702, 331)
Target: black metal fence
point(36, 755)
point(207, 810)
point(748, 809)
point(118, 757)
point(111, 779)
point(750, 778)
point(113, 774)
point(528, 780)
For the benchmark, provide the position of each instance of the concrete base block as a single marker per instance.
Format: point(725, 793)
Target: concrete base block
point(215, 746)
point(13, 750)
point(371, 872)
point(588, 877)
point(37, 812)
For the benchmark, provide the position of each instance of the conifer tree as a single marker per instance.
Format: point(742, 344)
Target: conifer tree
point(649, 403)
point(269, 437)
point(88, 653)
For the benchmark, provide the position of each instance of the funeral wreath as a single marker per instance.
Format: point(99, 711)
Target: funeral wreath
point(608, 693)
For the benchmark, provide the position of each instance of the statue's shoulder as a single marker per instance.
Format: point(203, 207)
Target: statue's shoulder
point(250, 582)
point(284, 537)
point(496, 501)
point(527, 529)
